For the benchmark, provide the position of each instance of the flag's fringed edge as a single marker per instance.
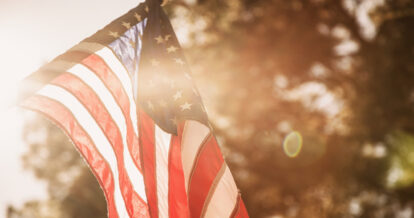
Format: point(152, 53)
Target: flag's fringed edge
point(103, 37)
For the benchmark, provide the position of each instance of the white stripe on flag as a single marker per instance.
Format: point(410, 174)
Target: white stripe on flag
point(90, 126)
point(117, 68)
point(115, 112)
point(162, 144)
point(223, 198)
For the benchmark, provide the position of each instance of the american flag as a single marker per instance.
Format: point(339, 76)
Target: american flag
point(126, 99)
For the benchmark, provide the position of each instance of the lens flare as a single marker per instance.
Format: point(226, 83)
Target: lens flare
point(292, 144)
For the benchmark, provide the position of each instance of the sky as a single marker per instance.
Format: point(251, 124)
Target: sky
point(31, 34)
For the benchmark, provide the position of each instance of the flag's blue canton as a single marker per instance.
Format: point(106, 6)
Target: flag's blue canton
point(128, 49)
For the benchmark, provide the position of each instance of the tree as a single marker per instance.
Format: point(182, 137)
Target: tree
point(266, 68)
point(73, 190)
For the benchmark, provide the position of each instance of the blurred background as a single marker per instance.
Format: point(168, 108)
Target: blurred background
point(312, 102)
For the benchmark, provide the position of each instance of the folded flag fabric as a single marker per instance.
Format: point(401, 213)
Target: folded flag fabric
point(126, 99)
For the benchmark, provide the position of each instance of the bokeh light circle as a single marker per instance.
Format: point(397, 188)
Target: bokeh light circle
point(292, 144)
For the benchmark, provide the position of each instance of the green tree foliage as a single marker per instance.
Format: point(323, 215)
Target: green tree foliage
point(340, 73)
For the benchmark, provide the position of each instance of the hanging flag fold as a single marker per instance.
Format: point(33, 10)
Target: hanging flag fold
point(126, 99)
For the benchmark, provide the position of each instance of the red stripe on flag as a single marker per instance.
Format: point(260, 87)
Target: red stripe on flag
point(65, 120)
point(101, 69)
point(134, 204)
point(147, 144)
point(241, 209)
point(177, 197)
point(206, 167)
